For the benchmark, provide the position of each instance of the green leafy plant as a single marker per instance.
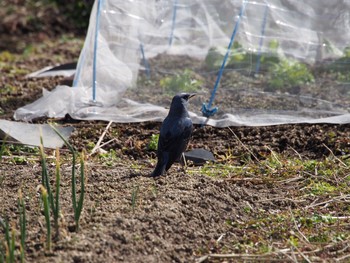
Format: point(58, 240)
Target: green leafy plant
point(213, 59)
point(237, 54)
point(340, 66)
point(241, 59)
point(153, 144)
point(187, 81)
point(319, 188)
point(289, 73)
point(108, 158)
point(343, 77)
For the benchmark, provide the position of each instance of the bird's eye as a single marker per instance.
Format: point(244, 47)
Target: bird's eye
point(186, 97)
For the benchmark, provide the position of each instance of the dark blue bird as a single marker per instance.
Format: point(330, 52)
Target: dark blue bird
point(175, 134)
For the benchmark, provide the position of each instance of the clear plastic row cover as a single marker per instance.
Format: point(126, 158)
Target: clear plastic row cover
point(249, 62)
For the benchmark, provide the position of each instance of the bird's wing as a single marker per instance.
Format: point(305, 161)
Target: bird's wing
point(174, 138)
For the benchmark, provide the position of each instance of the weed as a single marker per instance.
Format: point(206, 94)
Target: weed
point(19, 160)
point(316, 219)
point(339, 237)
point(6, 56)
point(153, 144)
point(247, 209)
point(108, 158)
point(154, 190)
point(294, 241)
point(319, 238)
point(319, 188)
point(90, 146)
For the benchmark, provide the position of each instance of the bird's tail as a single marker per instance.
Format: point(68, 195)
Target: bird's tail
point(161, 166)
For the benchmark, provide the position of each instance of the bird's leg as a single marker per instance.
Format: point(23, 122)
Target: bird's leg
point(183, 163)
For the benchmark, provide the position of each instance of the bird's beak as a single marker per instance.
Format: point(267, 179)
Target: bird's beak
point(192, 95)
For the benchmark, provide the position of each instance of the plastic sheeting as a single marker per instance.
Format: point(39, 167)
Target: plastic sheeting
point(133, 47)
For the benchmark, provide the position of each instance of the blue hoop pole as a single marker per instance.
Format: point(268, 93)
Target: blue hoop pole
point(206, 108)
point(174, 22)
point(97, 28)
point(145, 62)
point(261, 42)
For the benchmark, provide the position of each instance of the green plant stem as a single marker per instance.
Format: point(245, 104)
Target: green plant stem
point(77, 208)
point(82, 190)
point(2, 149)
point(45, 200)
point(12, 246)
point(22, 223)
point(45, 176)
point(58, 181)
point(10, 242)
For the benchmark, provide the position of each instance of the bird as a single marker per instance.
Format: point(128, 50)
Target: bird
point(175, 133)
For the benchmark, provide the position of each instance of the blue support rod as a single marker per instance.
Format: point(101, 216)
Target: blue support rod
point(261, 42)
point(145, 62)
point(97, 28)
point(225, 58)
point(173, 23)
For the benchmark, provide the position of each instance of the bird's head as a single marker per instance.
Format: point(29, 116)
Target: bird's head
point(179, 103)
point(184, 96)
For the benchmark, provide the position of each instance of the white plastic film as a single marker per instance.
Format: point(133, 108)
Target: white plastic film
point(138, 54)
